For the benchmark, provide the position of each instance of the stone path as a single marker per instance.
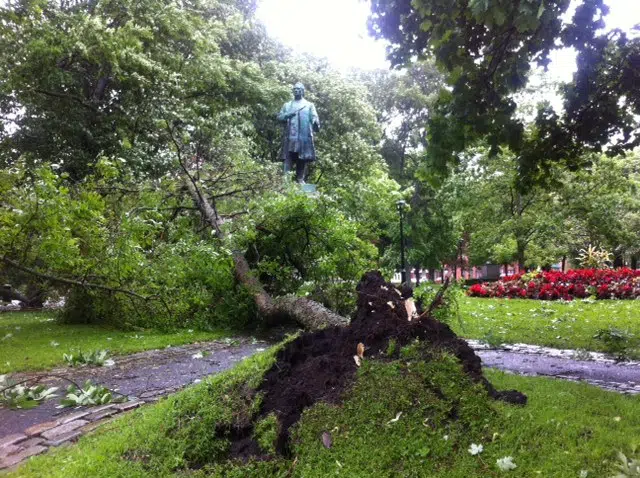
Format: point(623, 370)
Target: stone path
point(142, 377)
point(592, 367)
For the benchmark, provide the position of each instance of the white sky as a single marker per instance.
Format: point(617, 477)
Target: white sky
point(337, 30)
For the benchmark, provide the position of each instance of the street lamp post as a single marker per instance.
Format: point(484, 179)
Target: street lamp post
point(403, 270)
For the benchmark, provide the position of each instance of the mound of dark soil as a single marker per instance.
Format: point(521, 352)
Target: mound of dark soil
point(319, 366)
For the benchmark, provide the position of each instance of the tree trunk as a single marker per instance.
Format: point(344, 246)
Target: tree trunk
point(521, 258)
point(618, 259)
point(417, 269)
point(308, 313)
point(634, 261)
point(8, 293)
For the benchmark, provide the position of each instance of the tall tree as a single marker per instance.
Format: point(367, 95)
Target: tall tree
point(486, 49)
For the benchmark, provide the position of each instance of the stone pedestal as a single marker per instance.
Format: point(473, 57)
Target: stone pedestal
point(309, 188)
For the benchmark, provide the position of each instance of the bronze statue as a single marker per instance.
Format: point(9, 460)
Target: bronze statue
point(300, 122)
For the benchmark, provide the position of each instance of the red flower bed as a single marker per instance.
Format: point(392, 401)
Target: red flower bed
point(579, 283)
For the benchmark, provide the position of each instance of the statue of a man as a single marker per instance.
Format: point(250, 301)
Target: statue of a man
point(300, 122)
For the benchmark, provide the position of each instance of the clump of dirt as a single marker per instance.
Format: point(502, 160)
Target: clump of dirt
point(319, 366)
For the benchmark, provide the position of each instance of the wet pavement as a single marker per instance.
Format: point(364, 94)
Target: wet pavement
point(591, 367)
point(144, 376)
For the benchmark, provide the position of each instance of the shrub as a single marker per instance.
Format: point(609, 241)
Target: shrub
point(189, 284)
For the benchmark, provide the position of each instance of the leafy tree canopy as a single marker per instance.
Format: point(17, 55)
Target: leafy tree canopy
point(487, 48)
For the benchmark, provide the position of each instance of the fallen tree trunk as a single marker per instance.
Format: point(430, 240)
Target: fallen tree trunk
point(308, 313)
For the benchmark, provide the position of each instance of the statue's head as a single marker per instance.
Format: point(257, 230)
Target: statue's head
point(298, 90)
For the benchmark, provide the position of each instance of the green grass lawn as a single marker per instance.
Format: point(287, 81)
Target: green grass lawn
point(554, 324)
point(35, 341)
point(566, 430)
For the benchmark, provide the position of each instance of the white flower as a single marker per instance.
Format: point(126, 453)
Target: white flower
point(475, 449)
point(54, 343)
point(445, 438)
point(583, 474)
point(506, 463)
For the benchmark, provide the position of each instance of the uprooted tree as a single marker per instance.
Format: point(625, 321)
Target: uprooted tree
point(94, 199)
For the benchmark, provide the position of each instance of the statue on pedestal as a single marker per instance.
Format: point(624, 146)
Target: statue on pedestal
point(300, 122)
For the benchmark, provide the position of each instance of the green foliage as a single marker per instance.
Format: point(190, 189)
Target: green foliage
point(627, 467)
point(593, 258)
point(486, 50)
point(22, 395)
point(617, 342)
point(124, 243)
point(306, 245)
point(97, 80)
point(94, 357)
point(448, 308)
point(266, 433)
point(87, 395)
point(116, 102)
point(539, 226)
point(392, 348)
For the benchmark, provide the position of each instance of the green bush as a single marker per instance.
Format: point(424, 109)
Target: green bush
point(449, 309)
point(307, 246)
point(188, 284)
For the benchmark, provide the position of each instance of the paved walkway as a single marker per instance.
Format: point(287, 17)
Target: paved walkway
point(142, 377)
point(592, 367)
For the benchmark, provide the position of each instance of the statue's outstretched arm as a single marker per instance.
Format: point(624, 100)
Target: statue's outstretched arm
point(315, 119)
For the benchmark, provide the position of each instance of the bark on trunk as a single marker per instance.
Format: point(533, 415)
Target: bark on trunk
point(618, 260)
point(308, 313)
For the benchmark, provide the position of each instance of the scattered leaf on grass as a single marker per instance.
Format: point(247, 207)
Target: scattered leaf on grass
point(475, 449)
point(393, 420)
point(357, 360)
point(327, 441)
point(360, 350)
point(506, 463)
